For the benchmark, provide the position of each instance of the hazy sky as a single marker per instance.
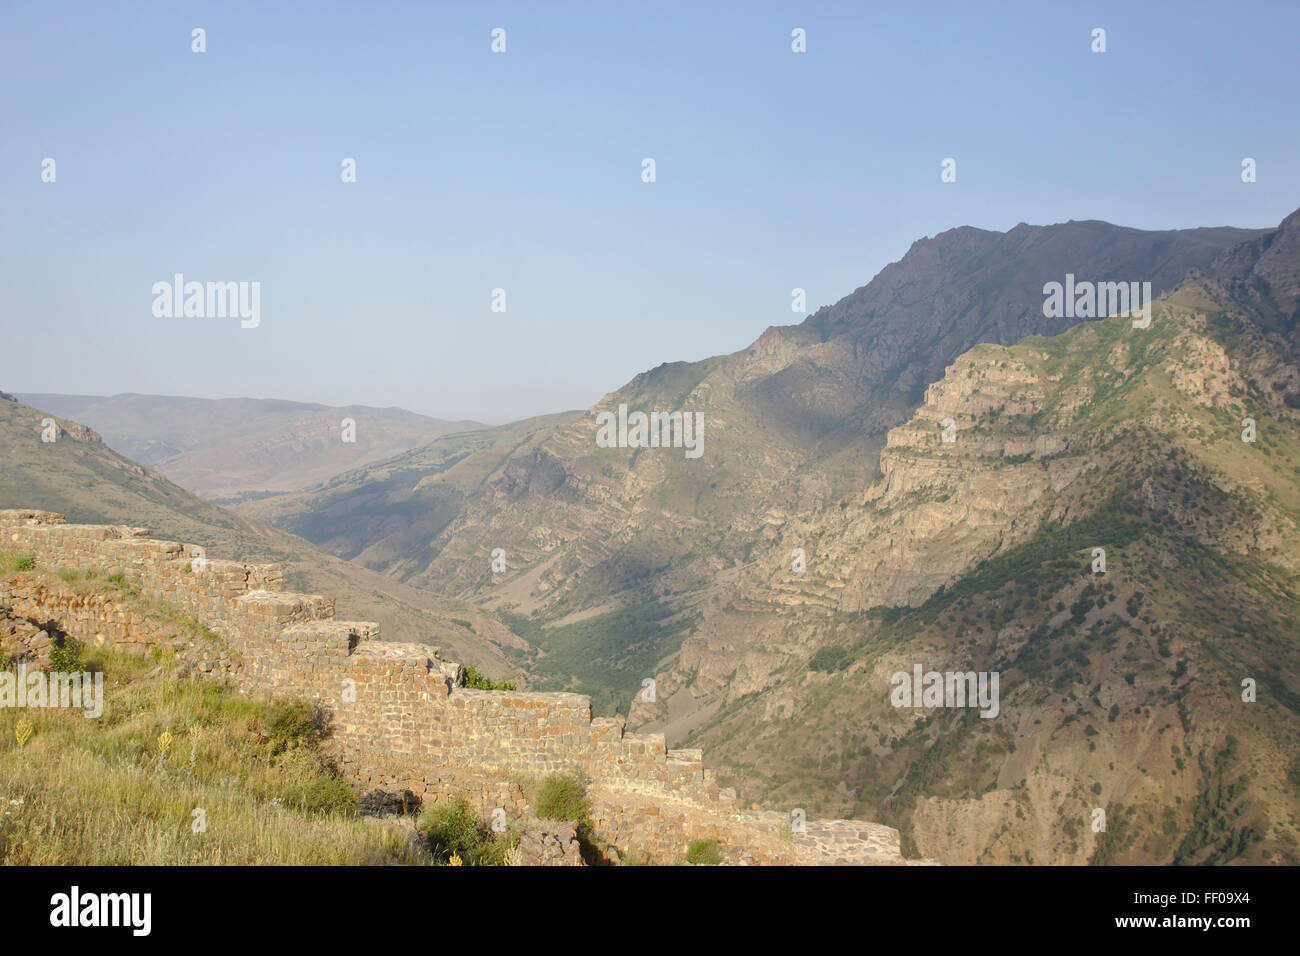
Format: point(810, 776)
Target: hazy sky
point(522, 171)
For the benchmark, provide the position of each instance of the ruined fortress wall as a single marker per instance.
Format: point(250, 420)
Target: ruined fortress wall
point(395, 700)
point(169, 572)
point(399, 720)
point(100, 619)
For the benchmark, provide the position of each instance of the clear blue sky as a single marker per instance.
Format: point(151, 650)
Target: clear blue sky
point(523, 171)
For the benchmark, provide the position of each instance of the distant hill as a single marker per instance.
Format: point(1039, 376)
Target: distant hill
point(230, 449)
point(611, 552)
point(83, 478)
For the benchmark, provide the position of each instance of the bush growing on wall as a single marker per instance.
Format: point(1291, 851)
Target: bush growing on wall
point(704, 853)
point(563, 797)
point(454, 829)
point(475, 680)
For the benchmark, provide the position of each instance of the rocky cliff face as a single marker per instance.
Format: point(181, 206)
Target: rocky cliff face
point(1121, 690)
point(1265, 272)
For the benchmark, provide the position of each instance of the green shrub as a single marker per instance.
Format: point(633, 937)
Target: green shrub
point(318, 790)
point(455, 828)
point(475, 680)
point(163, 655)
point(289, 725)
point(563, 797)
point(291, 732)
point(830, 658)
point(65, 655)
point(17, 562)
point(704, 853)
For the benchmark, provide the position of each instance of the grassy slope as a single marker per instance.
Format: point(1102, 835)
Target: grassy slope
point(122, 789)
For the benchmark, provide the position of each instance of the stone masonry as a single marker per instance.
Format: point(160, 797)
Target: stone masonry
point(399, 718)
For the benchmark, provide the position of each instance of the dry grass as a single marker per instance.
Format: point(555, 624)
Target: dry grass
point(123, 789)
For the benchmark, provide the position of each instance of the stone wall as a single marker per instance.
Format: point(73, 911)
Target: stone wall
point(97, 618)
point(399, 718)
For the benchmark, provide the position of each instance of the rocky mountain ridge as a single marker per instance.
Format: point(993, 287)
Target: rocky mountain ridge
point(1127, 439)
point(793, 422)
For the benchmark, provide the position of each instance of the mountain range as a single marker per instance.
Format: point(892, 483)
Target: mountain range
point(931, 474)
point(232, 448)
point(612, 553)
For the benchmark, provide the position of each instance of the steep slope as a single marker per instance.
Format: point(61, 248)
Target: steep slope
point(79, 476)
point(1120, 691)
point(231, 448)
point(610, 551)
point(1265, 273)
point(406, 501)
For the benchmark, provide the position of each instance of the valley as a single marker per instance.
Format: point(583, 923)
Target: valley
point(1093, 519)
